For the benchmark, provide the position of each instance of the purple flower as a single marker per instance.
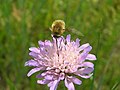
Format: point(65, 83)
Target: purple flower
point(61, 59)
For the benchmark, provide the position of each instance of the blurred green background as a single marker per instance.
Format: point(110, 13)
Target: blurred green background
point(24, 22)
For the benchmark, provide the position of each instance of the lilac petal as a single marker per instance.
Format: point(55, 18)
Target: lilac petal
point(31, 63)
point(34, 49)
point(33, 71)
point(84, 71)
point(39, 76)
point(44, 81)
point(84, 54)
point(87, 70)
point(60, 41)
point(49, 72)
point(49, 77)
point(83, 46)
point(49, 68)
point(50, 84)
point(77, 43)
point(43, 51)
point(69, 84)
point(33, 54)
point(76, 80)
point(62, 76)
point(91, 57)
point(53, 85)
point(54, 43)
point(85, 76)
point(68, 39)
point(48, 44)
point(88, 64)
point(88, 49)
point(41, 44)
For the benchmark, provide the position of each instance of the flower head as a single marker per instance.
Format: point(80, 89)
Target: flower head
point(61, 59)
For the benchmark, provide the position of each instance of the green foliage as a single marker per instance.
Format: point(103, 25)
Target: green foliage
point(24, 22)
